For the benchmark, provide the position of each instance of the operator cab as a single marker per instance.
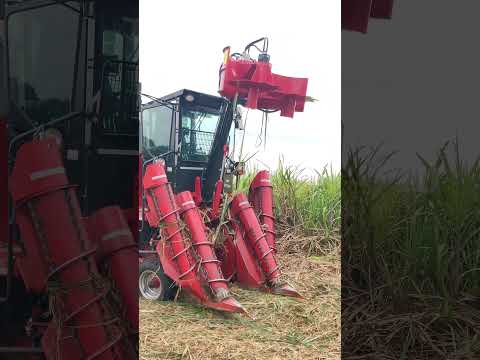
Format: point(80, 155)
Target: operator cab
point(92, 47)
point(187, 135)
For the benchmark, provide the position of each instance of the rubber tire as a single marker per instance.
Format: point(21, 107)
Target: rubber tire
point(168, 288)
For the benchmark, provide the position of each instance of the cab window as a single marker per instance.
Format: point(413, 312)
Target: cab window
point(120, 76)
point(34, 40)
point(156, 130)
point(198, 132)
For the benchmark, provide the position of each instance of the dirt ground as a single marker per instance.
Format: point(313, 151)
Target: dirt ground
point(279, 327)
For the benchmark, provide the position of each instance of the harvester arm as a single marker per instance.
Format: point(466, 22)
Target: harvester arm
point(252, 83)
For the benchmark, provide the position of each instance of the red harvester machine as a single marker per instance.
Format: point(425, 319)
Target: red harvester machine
point(69, 236)
point(197, 234)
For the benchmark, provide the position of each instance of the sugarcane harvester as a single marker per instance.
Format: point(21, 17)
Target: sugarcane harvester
point(68, 252)
point(197, 233)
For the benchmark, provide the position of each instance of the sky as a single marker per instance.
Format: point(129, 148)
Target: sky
point(181, 45)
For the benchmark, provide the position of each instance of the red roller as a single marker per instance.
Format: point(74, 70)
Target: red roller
point(261, 196)
point(243, 211)
point(117, 248)
point(204, 250)
point(58, 250)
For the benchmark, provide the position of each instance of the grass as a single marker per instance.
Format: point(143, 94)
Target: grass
point(410, 258)
point(308, 212)
point(280, 328)
point(306, 208)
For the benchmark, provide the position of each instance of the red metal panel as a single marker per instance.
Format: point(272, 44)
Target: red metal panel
point(242, 258)
point(254, 235)
point(242, 210)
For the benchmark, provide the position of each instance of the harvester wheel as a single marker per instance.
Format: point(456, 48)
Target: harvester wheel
point(153, 284)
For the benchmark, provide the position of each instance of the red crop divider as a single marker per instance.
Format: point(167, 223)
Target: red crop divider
point(242, 210)
point(117, 248)
point(58, 249)
point(261, 196)
point(179, 260)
